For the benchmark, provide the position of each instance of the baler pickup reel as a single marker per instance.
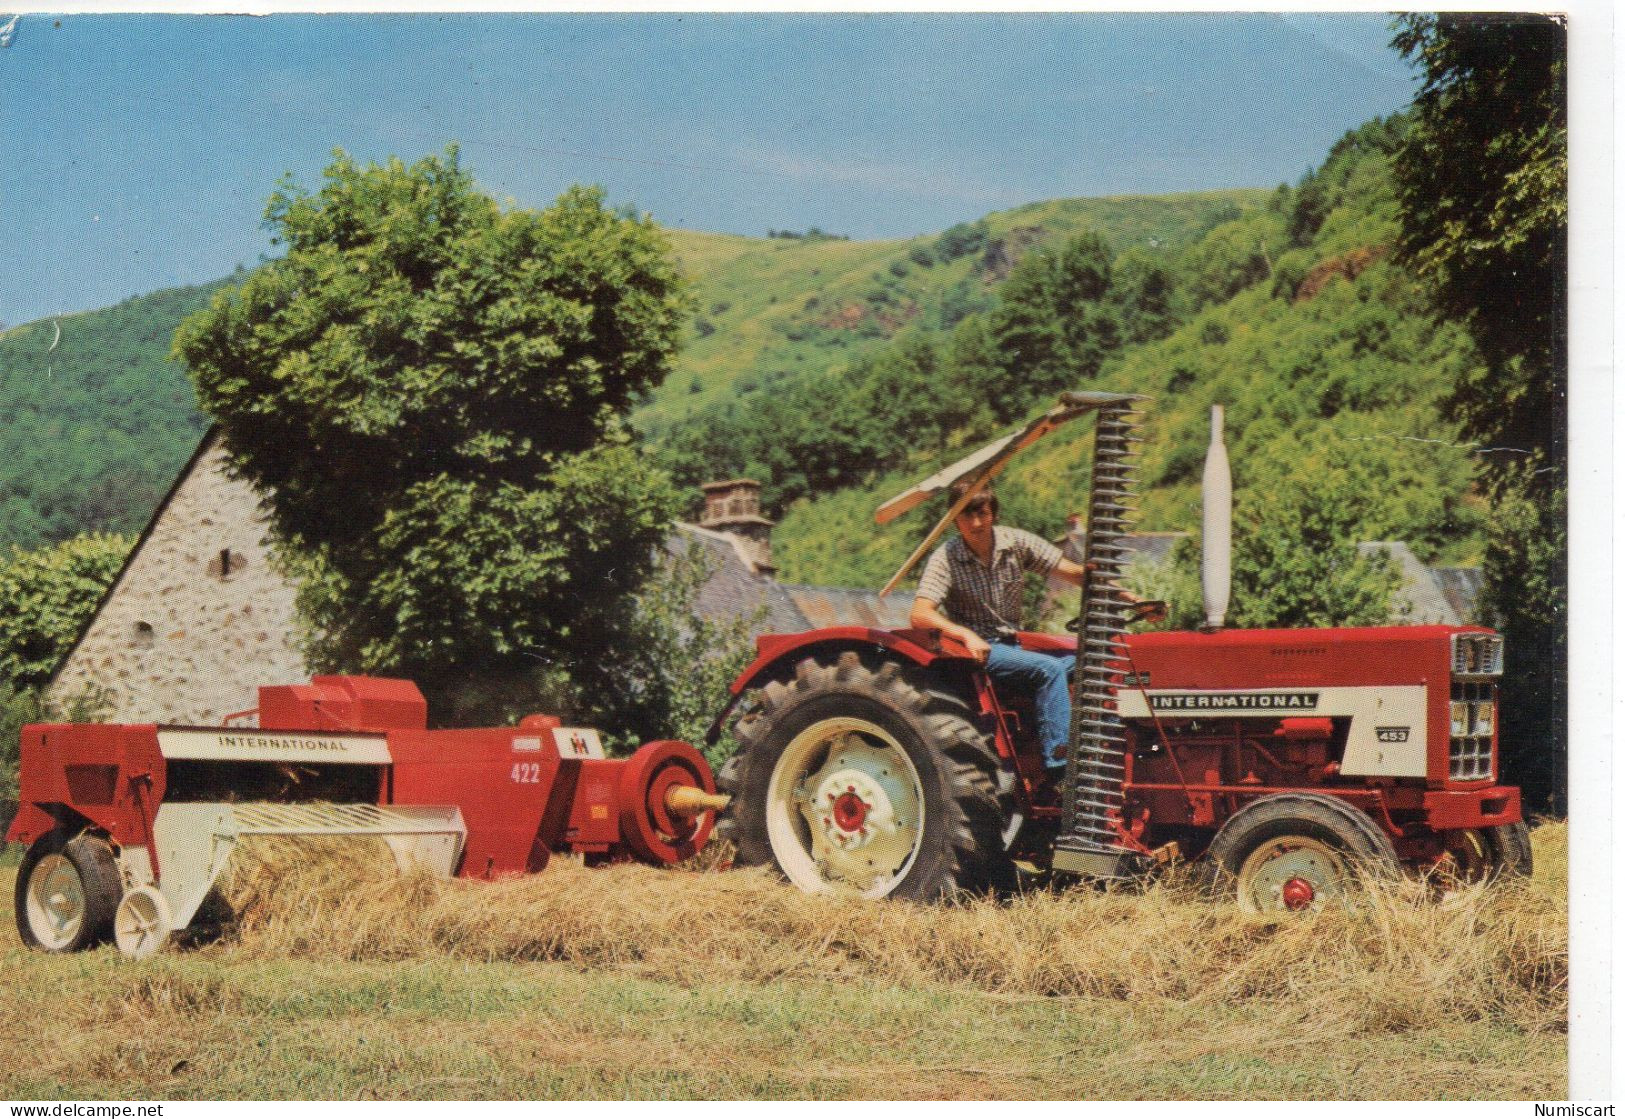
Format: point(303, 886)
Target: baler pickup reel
point(1092, 794)
point(193, 843)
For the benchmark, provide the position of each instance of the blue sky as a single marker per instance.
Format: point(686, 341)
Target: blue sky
point(142, 148)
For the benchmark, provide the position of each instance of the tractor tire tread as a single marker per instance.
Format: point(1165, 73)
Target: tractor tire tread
point(975, 861)
point(1512, 853)
point(1347, 828)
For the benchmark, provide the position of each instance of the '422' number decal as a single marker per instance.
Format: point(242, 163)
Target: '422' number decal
point(527, 773)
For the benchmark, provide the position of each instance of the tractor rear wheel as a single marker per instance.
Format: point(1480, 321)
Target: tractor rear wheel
point(860, 782)
point(67, 891)
point(1295, 851)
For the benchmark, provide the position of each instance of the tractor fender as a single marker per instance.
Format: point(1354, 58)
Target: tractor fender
point(777, 654)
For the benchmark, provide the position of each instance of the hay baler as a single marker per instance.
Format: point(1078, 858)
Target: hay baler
point(128, 826)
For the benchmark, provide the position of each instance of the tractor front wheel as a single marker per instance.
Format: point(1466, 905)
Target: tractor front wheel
point(1486, 854)
point(855, 781)
point(1295, 851)
point(67, 891)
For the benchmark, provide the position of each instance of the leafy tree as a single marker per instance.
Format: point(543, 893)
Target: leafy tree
point(961, 240)
point(1053, 328)
point(1297, 561)
point(1482, 184)
point(1483, 187)
point(1145, 295)
point(1233, 257)
point(49, 595)
point(429, 388)
point(680, 662)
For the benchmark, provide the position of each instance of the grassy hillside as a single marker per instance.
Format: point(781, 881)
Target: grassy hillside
point(98, 421)
point(1294, 318)
point(99, 425)
point(837, 372)
point(771, 310)
point(340, 980)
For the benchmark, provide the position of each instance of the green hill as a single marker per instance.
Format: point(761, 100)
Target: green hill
point(98, 426)
point(98, 420)
point(770, 310)
point(1291, 315)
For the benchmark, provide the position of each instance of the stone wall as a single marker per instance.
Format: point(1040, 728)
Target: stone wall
point(198, 620)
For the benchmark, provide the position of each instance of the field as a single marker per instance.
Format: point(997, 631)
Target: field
point(336, 979)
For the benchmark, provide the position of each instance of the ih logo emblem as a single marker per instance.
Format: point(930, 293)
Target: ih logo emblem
point(1393, 734)
point(577, 742)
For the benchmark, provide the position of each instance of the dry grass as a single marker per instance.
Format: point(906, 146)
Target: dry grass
point(1397, 959)
point(345, 981)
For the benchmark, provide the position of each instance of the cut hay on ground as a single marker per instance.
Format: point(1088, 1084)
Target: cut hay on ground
point(1398, 958)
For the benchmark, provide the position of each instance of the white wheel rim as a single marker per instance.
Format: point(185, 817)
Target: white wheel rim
point(1282, 867)
point(141, 923)
point(1468, 860)
point(55, 902)
point(845, 809)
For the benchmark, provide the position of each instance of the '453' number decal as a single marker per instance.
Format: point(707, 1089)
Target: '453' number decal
point(527, 773)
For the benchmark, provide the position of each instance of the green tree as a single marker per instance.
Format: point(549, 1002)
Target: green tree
point(681, 661)
point(1484, 211)
point(1297, 562)
point(50, 595)
point(1052, 328)
point(429, 390)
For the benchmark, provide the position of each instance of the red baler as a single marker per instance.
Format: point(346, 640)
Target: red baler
point(128, 826)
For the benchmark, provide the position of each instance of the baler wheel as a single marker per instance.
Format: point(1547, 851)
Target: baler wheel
point(142, 923)
point(861, 781)
point(67, 891)
point(1295, 852)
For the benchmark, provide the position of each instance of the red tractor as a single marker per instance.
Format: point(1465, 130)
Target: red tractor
point(884, 762)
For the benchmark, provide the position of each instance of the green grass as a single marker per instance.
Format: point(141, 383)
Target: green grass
point(209, 1027)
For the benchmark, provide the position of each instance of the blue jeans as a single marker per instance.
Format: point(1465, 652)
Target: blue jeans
point(1045, 675)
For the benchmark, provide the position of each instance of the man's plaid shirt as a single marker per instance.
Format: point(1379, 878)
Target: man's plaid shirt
point(986, 597)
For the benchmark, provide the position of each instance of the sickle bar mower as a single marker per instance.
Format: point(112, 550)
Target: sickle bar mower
point(128, 827)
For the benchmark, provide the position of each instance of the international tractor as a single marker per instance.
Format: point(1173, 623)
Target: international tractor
point(1282, 762)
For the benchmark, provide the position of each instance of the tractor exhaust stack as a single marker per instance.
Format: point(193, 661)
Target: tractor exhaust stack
point(1215, 528)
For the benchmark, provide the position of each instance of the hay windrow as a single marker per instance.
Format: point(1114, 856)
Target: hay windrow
point(1399, 958)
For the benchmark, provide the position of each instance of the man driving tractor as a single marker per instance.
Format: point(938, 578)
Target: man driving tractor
point(971, 591)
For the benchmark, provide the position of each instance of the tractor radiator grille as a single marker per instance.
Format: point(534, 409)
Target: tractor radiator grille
point(1475, 654)
point(1093, 794)
point(1472, 753)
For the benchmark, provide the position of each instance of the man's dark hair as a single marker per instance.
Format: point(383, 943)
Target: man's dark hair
point(985, 497)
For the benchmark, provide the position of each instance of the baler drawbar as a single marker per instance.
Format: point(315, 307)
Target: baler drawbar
point(129, 826)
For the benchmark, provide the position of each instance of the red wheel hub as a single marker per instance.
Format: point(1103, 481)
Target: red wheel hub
point(850, 811)
point(1297, 894)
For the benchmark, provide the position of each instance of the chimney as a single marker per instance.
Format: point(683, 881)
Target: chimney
point(735, 507)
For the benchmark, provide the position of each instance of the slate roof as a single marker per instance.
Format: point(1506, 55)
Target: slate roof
point(736, 590)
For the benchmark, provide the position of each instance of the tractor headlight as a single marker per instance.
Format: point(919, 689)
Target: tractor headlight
point(1472, 719)
point(1460, 720)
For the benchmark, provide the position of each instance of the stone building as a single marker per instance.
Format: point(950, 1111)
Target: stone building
point(197, 619)
point(736, 508)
